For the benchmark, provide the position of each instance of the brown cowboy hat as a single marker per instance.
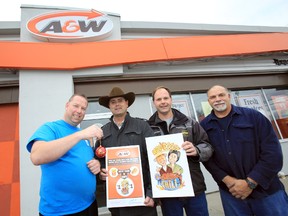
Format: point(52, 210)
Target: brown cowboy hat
point(117, 92)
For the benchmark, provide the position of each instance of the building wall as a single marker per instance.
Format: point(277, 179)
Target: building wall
point(42, 98)
point(9, 160)
point(43, 93)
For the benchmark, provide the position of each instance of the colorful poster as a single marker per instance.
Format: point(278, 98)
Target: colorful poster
point(281, 105)
point(125, 181)
point(170, 175)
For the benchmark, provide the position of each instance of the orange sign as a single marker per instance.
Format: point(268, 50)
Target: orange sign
point(124, 182)
point(70, 26)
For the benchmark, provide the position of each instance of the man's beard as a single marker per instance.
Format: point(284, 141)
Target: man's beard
point(221, 107)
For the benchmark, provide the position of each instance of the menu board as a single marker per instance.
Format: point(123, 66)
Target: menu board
point(125, 180)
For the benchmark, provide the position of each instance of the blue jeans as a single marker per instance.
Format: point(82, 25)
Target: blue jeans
point(274, 205)
point(194, 206)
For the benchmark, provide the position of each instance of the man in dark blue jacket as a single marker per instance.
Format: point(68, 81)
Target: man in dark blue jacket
point(246, 160)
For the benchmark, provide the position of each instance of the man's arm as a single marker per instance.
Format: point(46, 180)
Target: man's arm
point(43, 152)
point(201, 142)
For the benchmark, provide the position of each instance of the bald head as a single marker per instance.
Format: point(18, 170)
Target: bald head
point(217, 87)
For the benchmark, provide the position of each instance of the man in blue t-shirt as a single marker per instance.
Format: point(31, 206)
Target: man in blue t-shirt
point(66, 158)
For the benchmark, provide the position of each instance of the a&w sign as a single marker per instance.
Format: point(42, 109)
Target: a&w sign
point(70, 26)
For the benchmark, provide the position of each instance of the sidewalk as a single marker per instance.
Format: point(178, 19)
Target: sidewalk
point(213, 199)
point(215, 205)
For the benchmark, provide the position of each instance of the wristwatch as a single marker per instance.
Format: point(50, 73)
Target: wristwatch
point(251, 185)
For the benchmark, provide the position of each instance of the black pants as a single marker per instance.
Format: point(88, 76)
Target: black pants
point(92, 210)
point(134, 211)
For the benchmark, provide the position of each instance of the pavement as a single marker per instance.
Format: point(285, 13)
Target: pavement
point(215, 205)
point(213, 199)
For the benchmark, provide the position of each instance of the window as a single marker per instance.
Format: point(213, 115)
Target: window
point(278, 103)
point(273, 103)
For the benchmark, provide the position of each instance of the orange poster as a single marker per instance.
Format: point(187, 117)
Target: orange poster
point(125, 181)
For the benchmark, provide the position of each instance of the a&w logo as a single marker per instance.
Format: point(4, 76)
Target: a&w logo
point(70, 26)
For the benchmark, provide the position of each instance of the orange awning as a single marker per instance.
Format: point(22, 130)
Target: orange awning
point(72, 56)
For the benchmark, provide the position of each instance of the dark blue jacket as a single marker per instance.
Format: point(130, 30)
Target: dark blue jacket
point(248, 147)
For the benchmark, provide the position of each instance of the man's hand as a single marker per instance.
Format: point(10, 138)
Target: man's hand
point(94, 166)
point(240, 189)
point(91, 132)
point(190, 149)
point(237, 187)
point(229, 181)
point(103, 174)
point(149, 202)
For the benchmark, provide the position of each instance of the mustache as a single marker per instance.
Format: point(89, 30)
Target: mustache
point(219, 103)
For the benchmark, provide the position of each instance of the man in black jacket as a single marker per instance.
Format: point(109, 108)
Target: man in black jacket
point(167, 120)
point(124, 130)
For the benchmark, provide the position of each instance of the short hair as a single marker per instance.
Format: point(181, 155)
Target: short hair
point(77, 94)
point(160, 87)
point(226, 89)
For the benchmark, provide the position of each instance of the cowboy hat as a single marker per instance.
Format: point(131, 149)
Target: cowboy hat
point(117, 92)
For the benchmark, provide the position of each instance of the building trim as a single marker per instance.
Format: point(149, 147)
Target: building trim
point(49, 56)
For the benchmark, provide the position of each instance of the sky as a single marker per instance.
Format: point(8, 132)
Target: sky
point(227, 12)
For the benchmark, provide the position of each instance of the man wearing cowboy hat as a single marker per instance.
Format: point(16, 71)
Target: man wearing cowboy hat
point(124, 130)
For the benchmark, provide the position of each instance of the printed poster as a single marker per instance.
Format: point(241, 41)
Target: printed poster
point(253, 101)
point(182, 106)
point(125, 181)
point(170, 175)
point(281, 105)
point(206, 108)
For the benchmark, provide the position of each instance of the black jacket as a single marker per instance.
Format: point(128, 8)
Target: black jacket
point(132, 132)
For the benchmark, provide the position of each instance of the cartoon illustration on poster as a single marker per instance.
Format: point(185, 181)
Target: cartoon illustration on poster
point(170, 175)
point(125, 181)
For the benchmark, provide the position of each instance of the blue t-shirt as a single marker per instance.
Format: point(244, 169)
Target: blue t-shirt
point(67, 185)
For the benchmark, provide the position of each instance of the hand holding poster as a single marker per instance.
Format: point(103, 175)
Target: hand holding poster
point(169, 170)
point(125, 182)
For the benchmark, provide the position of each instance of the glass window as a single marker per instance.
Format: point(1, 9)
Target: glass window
point(95, 114)
point(273, 103)
point(278, 102)
point(202, 107)
point(181, 102)
point(94, 107)
point(99, 122)
point(252, 99)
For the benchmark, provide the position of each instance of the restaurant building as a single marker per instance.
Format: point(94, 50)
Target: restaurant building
point(53, 52)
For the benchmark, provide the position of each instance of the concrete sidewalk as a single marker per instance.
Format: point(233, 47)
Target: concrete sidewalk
point(213, 199)
point(215, 205)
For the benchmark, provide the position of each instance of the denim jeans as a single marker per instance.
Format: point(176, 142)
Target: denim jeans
point(274, 205)
point(194, 206)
